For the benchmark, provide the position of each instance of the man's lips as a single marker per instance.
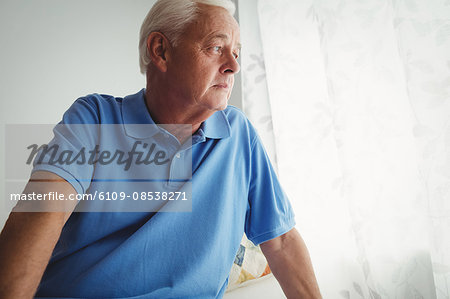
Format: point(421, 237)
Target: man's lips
point(221, 85)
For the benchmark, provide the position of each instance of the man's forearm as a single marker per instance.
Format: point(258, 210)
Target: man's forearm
point(28, 239)
point(290, 263)
point(26, 244)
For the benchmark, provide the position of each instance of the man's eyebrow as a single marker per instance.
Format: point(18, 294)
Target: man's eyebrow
point(224, 37)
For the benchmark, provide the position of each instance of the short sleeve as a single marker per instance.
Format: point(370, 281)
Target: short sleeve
point(67, 153)
point(269, 214)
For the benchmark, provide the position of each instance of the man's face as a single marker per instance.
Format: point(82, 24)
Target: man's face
point(202, 66)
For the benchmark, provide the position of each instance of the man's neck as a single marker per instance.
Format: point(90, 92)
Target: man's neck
point(173, 117)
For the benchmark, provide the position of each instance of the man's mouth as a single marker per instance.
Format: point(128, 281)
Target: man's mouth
point(221, 85)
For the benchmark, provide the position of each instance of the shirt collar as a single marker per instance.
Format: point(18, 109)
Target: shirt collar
point(135, 114)
point(216, 126)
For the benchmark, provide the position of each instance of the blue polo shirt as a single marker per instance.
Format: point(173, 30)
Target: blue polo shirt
point(167, 254)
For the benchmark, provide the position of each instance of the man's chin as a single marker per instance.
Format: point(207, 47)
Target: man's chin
point(222, 105)
point(218, 103)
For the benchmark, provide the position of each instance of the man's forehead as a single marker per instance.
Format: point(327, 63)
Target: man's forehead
point(215, 17)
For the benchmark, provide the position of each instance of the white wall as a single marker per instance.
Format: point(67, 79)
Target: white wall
point(54, 51)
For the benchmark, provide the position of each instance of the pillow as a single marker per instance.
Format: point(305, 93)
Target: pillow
point(249, 264)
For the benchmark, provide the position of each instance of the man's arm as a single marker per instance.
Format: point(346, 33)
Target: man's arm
point(289, 261)
point(28, 239)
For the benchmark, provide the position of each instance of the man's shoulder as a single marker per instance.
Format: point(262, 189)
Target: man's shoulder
point(94, 108)
point(100, 100)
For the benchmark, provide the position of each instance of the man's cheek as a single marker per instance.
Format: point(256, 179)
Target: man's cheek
point(231, 89)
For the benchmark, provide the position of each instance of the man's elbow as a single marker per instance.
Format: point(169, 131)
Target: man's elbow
point(280, 243)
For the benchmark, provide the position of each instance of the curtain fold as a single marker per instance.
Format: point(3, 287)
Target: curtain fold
point(352, 99)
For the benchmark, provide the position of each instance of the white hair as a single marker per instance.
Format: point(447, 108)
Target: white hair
point(171, 17)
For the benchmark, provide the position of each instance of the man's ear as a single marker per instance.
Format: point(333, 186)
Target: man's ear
point(157, 48)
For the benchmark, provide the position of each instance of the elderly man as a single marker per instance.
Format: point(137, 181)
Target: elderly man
point(188, 51)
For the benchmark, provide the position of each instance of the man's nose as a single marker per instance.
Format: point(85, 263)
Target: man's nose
point(231, 65)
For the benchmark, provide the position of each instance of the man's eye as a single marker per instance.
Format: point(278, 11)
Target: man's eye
point(216, 48)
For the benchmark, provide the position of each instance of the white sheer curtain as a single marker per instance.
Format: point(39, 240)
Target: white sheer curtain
point(352, 100)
